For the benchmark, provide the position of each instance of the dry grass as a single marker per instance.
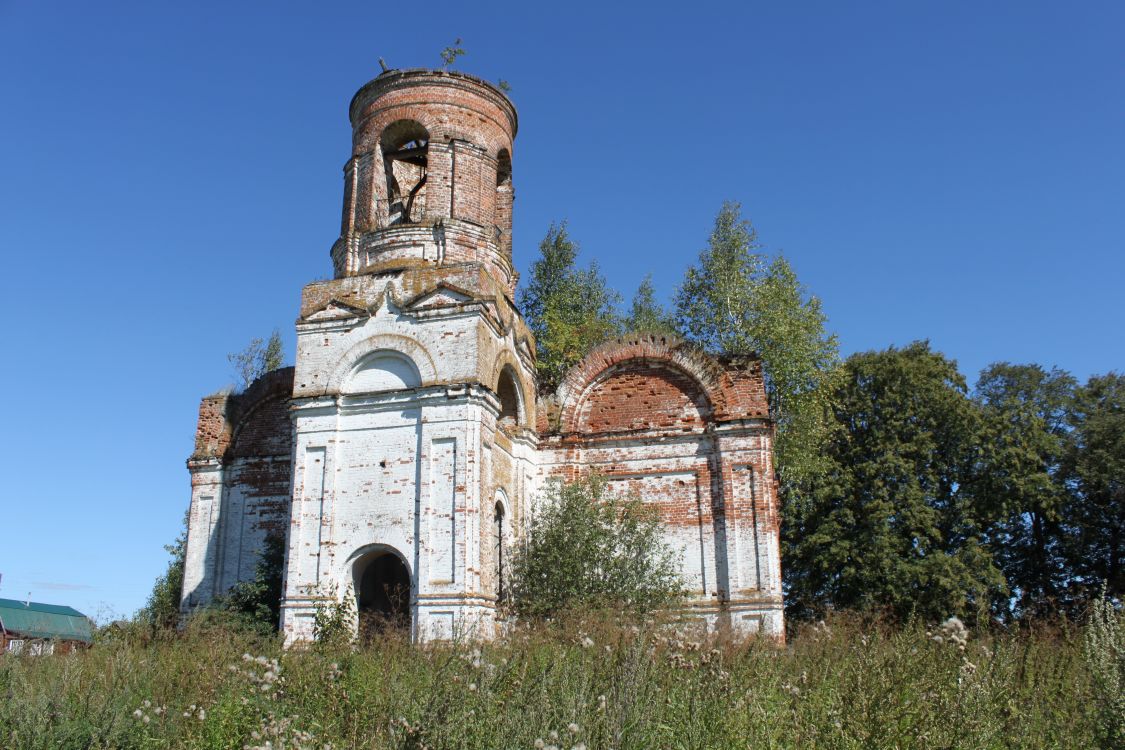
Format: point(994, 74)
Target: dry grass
point(588, 684)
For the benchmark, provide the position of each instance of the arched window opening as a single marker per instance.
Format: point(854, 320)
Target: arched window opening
point(405, 145)
point(508, 392)
point(503, 169)
point(498, 532)
point(383, 597)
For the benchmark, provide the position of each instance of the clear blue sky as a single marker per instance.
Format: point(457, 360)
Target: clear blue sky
point(170, 176)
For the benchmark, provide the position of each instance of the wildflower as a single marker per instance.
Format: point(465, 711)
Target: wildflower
point(138, 713)
point(579, 746)
point(145, 719)
point(553, 735)
point(540, 744)
point(572, 728)
point(955, 631)
point(472, 687)
point(587, 642)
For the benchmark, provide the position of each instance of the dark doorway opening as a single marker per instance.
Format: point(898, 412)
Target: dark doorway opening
point(384, 597)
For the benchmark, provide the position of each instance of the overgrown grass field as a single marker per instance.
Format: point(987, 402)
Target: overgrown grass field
point(593, 684)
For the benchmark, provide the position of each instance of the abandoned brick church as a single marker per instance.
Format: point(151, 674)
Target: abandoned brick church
point(401, 454)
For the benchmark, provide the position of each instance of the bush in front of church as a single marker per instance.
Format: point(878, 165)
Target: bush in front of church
point(584, 548)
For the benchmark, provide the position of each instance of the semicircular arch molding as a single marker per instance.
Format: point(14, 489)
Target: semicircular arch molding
point(375, 127)
point(382, 370)
point(387, 344)
point(347, 569)
point(609, 359)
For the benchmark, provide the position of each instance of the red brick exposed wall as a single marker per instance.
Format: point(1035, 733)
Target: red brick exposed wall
point(644, 395)
point(252, 423)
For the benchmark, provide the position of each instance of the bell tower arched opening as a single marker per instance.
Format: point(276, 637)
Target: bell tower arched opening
point(382, 595)
point(405, 146)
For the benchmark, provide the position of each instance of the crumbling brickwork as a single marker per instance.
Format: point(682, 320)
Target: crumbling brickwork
point(402, 453)
point(240, 473)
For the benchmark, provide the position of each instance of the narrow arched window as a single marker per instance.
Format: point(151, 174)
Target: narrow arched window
point(508, 391)
point(503, 169)
point(498, 532)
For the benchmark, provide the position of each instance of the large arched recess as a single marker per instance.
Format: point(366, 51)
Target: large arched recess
point(665, 352)
point(642, 394)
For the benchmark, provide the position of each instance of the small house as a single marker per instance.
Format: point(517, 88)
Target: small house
point(34, 628)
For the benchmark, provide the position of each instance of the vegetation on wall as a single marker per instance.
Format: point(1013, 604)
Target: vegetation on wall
point(258, 358)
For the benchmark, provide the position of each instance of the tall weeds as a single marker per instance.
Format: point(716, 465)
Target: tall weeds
point(591, 683)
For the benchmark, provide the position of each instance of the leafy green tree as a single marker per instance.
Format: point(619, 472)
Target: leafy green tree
point(257, 359)
point(1095, 469)
point(587, 548)
point(256, 603)
point(1019, 484)
point(646, 313)
point(735, 302)
point(162, 610)
point(570, 310)
point(889, 525)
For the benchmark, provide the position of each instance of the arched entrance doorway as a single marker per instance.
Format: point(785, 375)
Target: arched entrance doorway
point(382, 595)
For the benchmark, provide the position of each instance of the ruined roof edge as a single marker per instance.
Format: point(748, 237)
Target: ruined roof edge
point(412, 76)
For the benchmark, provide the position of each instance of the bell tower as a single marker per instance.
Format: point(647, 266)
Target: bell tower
point(430, 176)
point(414, 388)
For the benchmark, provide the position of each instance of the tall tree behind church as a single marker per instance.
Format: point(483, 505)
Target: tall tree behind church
point(1095, 469)
point(646, 313)
point(893, 525)
point(735, 300)
point(569, 309)
point(1019, 485)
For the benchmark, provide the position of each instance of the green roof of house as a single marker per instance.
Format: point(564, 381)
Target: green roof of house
point(35, 620)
